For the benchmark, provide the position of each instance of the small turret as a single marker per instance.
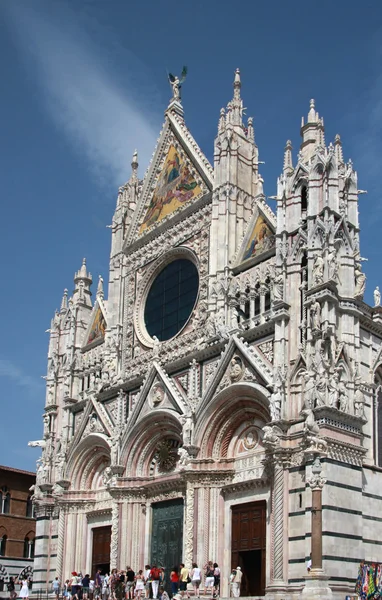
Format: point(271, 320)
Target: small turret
point(288, 163)
point(64, 301)
point(134, 168)
point(82, 282)
point(338, 150)
point(312, 133)
point(100, 287)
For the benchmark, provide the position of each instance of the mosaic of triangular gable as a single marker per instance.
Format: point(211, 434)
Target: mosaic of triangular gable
point(261, 239)
point(176, 186)
point(97, 331)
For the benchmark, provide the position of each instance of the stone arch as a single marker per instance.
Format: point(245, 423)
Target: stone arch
point(87, 457)
point(237, 404)
point(139, 449)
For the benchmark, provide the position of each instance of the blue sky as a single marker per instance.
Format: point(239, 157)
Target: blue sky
point(84, 84)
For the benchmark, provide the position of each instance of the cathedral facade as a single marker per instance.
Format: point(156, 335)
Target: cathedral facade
point(186, 412)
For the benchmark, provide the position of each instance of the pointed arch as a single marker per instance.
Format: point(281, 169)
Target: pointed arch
point(234, 405)
point(87, 456)
point(139, 448)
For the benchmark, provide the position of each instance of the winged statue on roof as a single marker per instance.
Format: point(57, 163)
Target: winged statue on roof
point(176, 83)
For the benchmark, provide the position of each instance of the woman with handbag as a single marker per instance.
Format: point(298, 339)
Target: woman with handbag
point(184, 580)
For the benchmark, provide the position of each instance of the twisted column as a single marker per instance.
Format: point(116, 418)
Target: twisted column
point(189, 546)
point(278, 522)
point(60, 544)
point(114, 536)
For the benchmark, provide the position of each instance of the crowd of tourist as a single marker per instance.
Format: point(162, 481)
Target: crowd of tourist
point(151, 582)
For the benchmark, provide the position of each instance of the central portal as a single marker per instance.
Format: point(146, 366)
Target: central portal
point(249, 546)
point(167, 534)
point(101, 549)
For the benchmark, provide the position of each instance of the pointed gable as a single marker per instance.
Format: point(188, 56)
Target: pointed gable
point(95, 333)
point(175, 186)
point(178, 176)
point(259, 240)
point(158, 391)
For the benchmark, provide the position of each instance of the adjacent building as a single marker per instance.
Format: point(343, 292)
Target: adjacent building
point(188, 408)
point(17, 523)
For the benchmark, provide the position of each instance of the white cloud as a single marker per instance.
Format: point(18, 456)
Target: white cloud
point(15, 374)
point(87, 99)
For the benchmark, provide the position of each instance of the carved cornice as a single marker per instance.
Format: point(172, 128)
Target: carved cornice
point(345, 452)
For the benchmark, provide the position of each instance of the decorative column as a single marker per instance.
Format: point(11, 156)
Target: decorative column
point(114, 545)
point(189, 537)
point(278, 522)
point(60, 544)
point(278, 460)
point(316, 582)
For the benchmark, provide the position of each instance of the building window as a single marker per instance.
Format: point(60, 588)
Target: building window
point(3, 545)
point(5, 501)
point(28, 548)
point(304, 199)
point(30, 507)
point(171, 299)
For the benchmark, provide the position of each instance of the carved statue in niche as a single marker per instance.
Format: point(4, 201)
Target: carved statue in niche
point(343, 396)
point(318, 269)
point(315, 316)
point(359, 402)
point(187, 421)
point(275, 403)
point(332, 263)
point(114, 447)
point(157, 395)
point(236, 369)
point(360, 282)
point(278, 287)
point(333, 387)
point(309, 390)
point(46, 425)
point(42, 472)
point(50, 398)
point(93, 422)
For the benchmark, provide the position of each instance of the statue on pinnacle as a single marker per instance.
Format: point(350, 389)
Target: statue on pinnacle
point(176, 83)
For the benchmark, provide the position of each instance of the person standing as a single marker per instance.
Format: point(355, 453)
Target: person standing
point(56, 587)
point(236, 581)
point(196, 577)
point(216, 588)
point(174, 578)
point(210, 579)
point(184, 579)
point(130, 578)
point(11, 588)
point(139, 583)
point(155, 577)
point(24, 592)
point(85, 586)
point(147, 581)
point(97, 584)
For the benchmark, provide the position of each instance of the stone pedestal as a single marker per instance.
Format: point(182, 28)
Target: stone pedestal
point(316, 586)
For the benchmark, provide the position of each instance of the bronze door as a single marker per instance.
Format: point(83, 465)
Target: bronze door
point(249, 546)
point(101, 549)
point(167, 535)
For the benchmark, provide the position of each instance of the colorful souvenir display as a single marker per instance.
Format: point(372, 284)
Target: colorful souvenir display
point(369, 580)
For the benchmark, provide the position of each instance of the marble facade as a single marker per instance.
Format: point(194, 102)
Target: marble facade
point(279, 360)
